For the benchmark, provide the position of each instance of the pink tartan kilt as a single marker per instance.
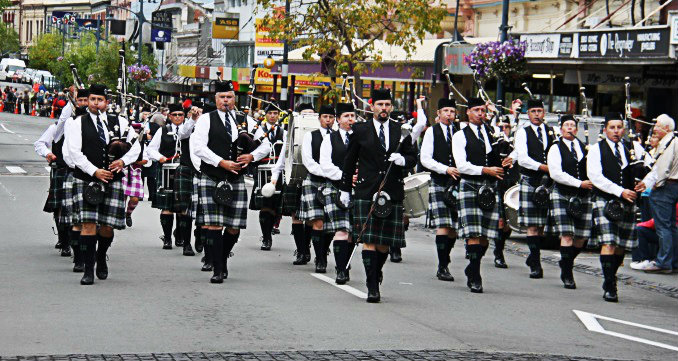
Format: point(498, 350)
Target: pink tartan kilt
point(132, 182)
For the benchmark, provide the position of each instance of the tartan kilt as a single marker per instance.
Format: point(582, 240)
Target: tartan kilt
point(388, 231)
point(290, 201)
point(565, 225)
point(529, 215)
point(209, 213)
point(474, 222)
point(621, 234)
point(442, 216)
point(132, 182)
point(66, 214)
point(310, 206)
point(193, 209)
point(337, 219)
point(55, 195)
point(183, 188)
point(111, 212)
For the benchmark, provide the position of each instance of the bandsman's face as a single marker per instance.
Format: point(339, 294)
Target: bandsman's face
point(346, 120)
point(447, 115)
point(614, 130)
point(96, 103)
point(176, 117)
point(382, 108)
point(225, 101)
point(569, 129)
point(307, 111)
point(272, 116)
point(82, 101)
point(536, 115)
point(476, 115)
point(327, 120)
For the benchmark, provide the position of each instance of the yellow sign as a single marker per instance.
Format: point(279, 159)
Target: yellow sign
point(264, 45)
point(225, 28)
point(263, 76)
point(187, 71)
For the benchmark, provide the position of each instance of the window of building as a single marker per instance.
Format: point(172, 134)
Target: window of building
point(238, 56)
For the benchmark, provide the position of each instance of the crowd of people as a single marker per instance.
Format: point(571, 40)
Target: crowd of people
point(34, 101)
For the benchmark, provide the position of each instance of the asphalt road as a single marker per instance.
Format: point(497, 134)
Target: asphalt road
point(158, 301)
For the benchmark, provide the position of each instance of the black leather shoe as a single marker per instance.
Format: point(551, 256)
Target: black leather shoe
point(87, 279)
point(569, 283)
point(536, 272)
point(275, 231)
point(206, 267)
point(373, 297)
point(188, 250)
point(78, 267)
point(396, 255)
point(58, 245)
point(266, 244)
point(500, 263)
point(476, 286)
point(177, 240)
point(300, 260)
point(217, 278)
point(167, 243)
point(128, 220)
point(320, 266)
point(610, 296)
point(66, 252)
point(342, 277)
point(102, 270)
point(443, 274)
point(307, 257)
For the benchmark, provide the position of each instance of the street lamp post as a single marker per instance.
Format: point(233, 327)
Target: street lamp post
point(503, 37)
point(283, 84)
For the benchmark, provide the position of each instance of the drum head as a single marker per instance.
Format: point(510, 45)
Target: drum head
point(418, 180)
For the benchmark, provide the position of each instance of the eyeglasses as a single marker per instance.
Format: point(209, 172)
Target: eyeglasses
point(177, 114)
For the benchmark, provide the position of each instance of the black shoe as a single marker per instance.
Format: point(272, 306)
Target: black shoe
point(177, 239)
point(275, 231)
point(58, 245)
point(476, 286)
point(87, 279)
point(307, 257)
point(188, 250)
point(218, 278)
point(610, 296)
point(102, 270)
point(206, 267)
point(373, 295)
point(66, 252)
point(443, 274)
point(396, 255)
point(266, 244)
point(167, 243)
point(320, 266)
point(569, 283)
point(342, 277)
point(536, 272)
point(300, 260)
point(128, 220)
point(500, 263)
point(79, 267)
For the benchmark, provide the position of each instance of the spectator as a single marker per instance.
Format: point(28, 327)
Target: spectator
point(648, 240)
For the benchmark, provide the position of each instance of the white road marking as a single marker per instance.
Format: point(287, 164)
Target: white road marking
point(15, 170)
point(349, 289)
point(11, 195)
point(590, 321)
point(5, 128)
point(406, 283)
point(48, 169)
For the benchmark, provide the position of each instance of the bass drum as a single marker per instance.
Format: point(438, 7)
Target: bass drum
point(299, 125)
point(511, 203)
point(416, 200)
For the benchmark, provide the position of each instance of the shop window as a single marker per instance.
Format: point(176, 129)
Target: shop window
point(237, 56)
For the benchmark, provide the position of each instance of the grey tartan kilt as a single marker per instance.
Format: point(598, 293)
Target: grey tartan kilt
point(442, 216)
point(55, 195)
point(336, 219)
point(621, 234)
point(209, 213)
point(473, 221)
point(290, 200)
point(311, 208)
point(565, 225)
point(389, 231)
point(111, 212)
point(529, 215)
point(183, 188)
point(66, 213)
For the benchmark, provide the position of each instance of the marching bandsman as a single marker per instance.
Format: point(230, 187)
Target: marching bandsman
point(164, 147)
point(221, 192)
point(291, 201)
point(268, 207)
point(478, 204)
point(332, 153)
point(372, 147)
point(436, 157)
point(532, 145)
point(312, 210)
point(608, 168)
point(571, 197)
point(88, 139)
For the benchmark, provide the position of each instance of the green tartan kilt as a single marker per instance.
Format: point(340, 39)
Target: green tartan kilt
point(389, 231)
point(183, 188)
point(290, 201)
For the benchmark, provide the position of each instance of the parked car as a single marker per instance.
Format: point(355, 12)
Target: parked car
point(19, 76)
point(44, 77)
point(29, 75)
point(9, 66)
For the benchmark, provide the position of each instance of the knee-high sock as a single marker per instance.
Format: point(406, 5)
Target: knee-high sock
point(200, 234)
point(88, 246)
point(608, 264)
point(298, 233)
point(342, 249)
point(62, 232)
point(500, 243)
point(75, 244)
point(215, 238)
point(371, 263)
point(103, 244)
point(266, 223)
point(317, 239)
point(567, 254)
point(131, 206)
point(308, 233)
point(441, 249)
point(534, 243)
point(475, 252)
point(185, 229)
point(327, 241)
point(167, 222)
point(229, 242)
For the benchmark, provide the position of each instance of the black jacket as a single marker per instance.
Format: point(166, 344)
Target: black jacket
point(365, 150)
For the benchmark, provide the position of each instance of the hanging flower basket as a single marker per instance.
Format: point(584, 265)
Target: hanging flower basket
point(495, 59)
point(140, 74)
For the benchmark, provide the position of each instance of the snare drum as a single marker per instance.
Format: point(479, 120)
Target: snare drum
point(511, 203)
point(415, 203)
point(167, 177)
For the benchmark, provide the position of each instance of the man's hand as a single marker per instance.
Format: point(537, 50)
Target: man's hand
point(453, 172)
point(230, 166)
point(420, 101)
point(544, 168)
point(515, 105)
point(51, 157)
point(629, 195)
point(103, 175)
point(640, 187)
point(490, 107)
point(397, 159)
point(497, 172)
point(587, 184)
point(355, 179)
point(274, 181)
point(162, 160)
point(245, 159)
point(195, 113)
point(117, 166)
point(507, 162)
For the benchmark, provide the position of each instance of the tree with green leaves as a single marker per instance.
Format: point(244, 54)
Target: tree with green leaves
point(10, 38)
point(344, 34)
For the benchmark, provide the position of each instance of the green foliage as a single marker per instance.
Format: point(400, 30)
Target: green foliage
point(10, 39)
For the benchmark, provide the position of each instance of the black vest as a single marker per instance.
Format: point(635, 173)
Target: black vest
point(316, 142)
point(220, 144)
point(339, 149)
point(442, 152)
point(168, 143)
point(612, 170)
point(571, 166)
point(535, 149)
point(185, 158)
point(57, 150)
point(279, 133)
point(92, 147)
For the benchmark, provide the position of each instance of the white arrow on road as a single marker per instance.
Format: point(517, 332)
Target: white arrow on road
point(590, 320)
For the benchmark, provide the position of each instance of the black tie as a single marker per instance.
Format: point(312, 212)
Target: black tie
point(480, 135)
point(618, 155)
point(449, 137)
point(100, 130)
point(329, 131)
point(574, 152)
point(346, 139)
point(227, 124)
point(382, 137)
point(539, 136)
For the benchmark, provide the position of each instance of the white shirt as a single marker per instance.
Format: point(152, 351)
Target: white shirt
point(73, 155)
point(311, 165)
point(377, 125)
point(555, 162)
point(651, 178)
point(66, 112)
point(329, 170)
point(426, 154)
point(186, 128)
point(153, 149)
point(459, 151)
point(594, 169)
point(521, 146)
point(200, 137)
point(419, 126)
point(44, 143)
point(280, 163)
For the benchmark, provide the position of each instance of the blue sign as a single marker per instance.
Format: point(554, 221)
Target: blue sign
point(161, 35)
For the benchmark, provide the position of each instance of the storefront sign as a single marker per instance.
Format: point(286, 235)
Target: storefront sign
point(541, 45)
point(263, 78)
point(226, 28)
point(455, 56)
point(264, 45)
point(618, 79)
point(673, 23)
point(160, 31)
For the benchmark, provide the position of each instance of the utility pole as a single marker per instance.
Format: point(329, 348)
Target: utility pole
point(503, 37)
point(142, 20)
point(283, 84)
